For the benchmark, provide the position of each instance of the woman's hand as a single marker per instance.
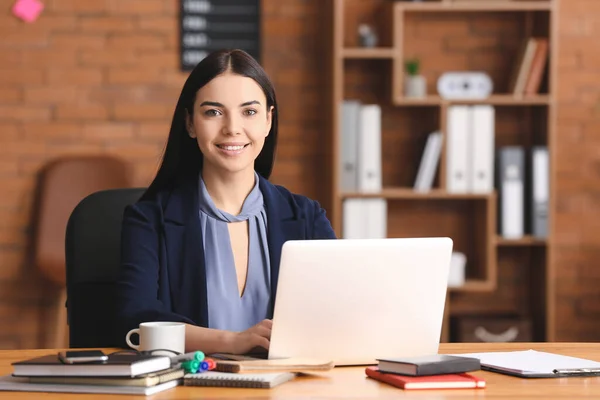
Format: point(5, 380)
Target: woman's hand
point(257, 336)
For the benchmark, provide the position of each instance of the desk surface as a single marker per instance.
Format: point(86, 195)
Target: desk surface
point(351, 382)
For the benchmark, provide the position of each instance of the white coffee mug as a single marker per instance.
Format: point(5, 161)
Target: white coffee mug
point(159, 336)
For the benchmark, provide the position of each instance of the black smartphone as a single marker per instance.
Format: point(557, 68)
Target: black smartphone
point(81, 356)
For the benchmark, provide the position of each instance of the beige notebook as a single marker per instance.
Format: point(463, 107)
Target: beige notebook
point(225, 363)
point(225, 379)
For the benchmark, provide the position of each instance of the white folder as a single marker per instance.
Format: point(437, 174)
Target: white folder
point(369, 149)
point(457, 145)
point(349, 126)
point(482, 149)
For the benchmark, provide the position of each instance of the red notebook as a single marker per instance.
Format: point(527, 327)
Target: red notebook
point(448, 381)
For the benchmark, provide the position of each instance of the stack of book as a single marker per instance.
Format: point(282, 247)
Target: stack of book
point(430, 372)
point(123, 373)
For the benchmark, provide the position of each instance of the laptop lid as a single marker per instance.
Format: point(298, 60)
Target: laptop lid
point(355, 300)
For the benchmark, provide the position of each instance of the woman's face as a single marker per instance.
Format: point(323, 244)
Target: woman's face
point(230, 122)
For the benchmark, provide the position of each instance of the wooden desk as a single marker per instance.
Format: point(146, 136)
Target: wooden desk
point(351, 382)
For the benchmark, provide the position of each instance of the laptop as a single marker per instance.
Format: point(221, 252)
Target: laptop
point(353, 301)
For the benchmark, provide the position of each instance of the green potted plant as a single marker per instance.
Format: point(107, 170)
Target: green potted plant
point(415, 84)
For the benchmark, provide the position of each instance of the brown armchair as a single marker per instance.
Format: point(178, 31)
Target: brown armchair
point(63, 183)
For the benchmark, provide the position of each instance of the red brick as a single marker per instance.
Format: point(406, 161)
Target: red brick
point(159, 59)
point(8, 167)
point(81, 112)
point(130, 76)
point(141, 112)
point(159, 24)
point(471, 43)
point(53, 95)
point(75, 76)
point(24, 113)
point(97, 58)
point(108, 131)
point(46, 132)
point(136, 42)
point(107, 24)
point(501, 24)
point(137, 7)
point(10, 95)
point(9, 132)
point(12, 58)
point(51, 58)
point(78, 42)
point(153, 131)
point(78, 6)
point(26, 39)
point(135, 151)
point(21, 76)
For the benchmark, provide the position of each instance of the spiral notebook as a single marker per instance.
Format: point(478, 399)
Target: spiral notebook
point(227, 379)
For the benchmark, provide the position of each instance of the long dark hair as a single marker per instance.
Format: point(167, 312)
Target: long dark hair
point(182, 158)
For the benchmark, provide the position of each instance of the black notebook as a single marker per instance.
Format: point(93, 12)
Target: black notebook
point(116, 365)
point(437, 364)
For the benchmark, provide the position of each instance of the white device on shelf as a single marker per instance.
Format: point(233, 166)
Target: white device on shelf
point(464, 85)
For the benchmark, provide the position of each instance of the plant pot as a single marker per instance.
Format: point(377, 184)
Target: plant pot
point(415, 86)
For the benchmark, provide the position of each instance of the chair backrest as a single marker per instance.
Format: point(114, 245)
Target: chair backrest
point(93, 247)
point(63, 183)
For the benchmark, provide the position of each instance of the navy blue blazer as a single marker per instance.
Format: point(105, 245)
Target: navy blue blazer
point(162, 274)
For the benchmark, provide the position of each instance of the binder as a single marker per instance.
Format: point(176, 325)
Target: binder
point(458, 154)
point(481, 133)
point(369, 150)
point(535, 364)
point(429, 162)
point(511, 163)
point(539, 191)
point(349, 125)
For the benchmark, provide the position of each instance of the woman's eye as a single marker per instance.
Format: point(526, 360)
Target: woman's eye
point(212, 113)
point(250, 112)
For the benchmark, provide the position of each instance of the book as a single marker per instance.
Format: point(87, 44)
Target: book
point(21, 384)
point(447, 381)
point(535, 364)
point(116, 365)
point(226, 379)
point(146, 380)
point(429, 365)
point(294, 364)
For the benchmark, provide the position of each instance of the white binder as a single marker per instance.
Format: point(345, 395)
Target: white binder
point(511, 186)
point(540, 193)
point(457, 145)
point(349, 125)
point(429, 162)
point(369, 149)
point(482, 149)
point(354, 221)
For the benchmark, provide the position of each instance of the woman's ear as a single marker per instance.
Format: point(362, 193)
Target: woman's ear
point(269, 120)
point(189, 125)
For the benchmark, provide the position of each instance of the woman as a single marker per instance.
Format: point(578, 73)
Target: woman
point(202, 246)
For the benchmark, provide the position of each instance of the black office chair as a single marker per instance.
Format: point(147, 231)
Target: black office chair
point(93, 246)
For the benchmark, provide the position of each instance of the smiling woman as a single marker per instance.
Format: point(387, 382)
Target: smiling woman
point(202, 246)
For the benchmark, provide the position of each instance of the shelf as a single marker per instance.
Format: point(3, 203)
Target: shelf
point(476, 6)
point(368, 53)
point(406, 193)
point(497, 100)
point(524, 241)
point(473, 286)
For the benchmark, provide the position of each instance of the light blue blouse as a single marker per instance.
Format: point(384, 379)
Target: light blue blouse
point(226, 309)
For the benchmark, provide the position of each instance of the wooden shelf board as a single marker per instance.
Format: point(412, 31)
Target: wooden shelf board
point(472, 285)
point(497, 99)
point(524, 241)
point(407, 193)
point(368, 53)
point(460, 5)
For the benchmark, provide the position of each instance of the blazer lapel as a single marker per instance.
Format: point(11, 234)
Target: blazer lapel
point(283, 225)
point(185, 254)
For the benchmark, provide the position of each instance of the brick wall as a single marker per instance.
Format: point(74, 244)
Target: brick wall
point(102, 76)
point(577, 237)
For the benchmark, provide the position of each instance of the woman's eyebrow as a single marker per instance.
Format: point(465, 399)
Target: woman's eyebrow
point(216, 104)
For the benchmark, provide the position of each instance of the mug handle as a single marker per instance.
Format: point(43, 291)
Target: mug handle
point(128, 338)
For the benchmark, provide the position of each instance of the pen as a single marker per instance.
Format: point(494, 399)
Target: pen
point(578, 371)
point(193, 356)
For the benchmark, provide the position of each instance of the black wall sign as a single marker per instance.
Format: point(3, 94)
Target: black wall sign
point(208, 25)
